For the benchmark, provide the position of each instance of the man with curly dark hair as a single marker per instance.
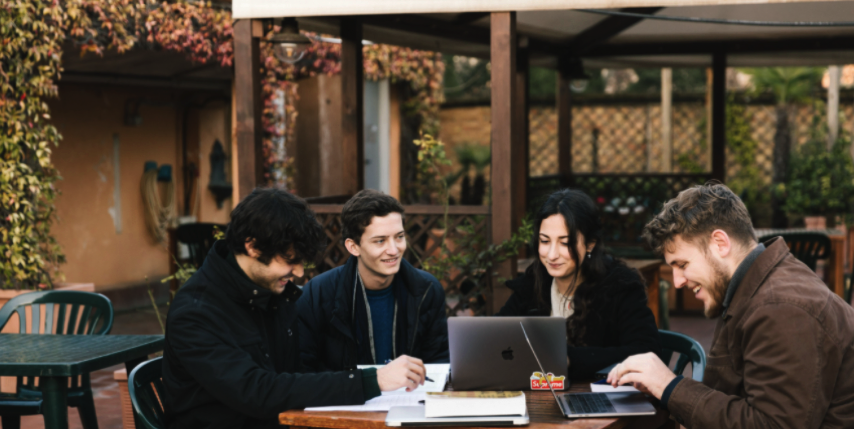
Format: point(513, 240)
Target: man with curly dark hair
point(783, 349)
point(231, 358)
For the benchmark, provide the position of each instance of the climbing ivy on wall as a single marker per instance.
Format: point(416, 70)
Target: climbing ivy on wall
point(30, 49)
point(32, 33)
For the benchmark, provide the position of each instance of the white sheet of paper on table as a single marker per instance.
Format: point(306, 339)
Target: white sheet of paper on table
point(437, 372)
point(380, 403)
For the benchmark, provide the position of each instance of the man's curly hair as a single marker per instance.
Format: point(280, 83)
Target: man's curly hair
point(278, 222)
point(695, 213)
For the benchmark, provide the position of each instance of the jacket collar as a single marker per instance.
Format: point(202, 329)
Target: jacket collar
point(237, 286)
point(775, 251)
point(412, 280)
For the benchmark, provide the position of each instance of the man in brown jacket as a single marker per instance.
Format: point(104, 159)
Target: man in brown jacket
point(783, 350)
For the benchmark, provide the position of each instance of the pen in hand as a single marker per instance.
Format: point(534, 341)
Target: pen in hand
point(429, 379)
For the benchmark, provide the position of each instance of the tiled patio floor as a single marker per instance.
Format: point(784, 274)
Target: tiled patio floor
point(106, 390)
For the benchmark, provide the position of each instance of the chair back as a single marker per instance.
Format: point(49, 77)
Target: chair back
point(808, 247)
point(145, 387)
point(199, 238)
point(59, 312)
point(689, 350)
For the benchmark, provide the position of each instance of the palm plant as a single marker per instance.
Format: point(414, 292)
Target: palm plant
point(787, 85)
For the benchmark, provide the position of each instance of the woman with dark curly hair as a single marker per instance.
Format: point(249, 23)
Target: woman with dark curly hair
point(602, 299)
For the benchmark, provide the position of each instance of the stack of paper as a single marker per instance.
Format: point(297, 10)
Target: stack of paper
point(466, 404)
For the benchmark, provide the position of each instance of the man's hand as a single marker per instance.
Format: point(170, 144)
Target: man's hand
point(404, 371)
point(646, 372)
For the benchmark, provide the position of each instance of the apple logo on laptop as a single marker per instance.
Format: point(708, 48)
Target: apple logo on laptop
point(507, 354)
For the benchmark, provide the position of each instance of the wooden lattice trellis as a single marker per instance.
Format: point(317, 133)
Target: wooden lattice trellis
point(424, 232)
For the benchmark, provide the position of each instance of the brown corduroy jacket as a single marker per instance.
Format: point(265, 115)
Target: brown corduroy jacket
point(781, 357)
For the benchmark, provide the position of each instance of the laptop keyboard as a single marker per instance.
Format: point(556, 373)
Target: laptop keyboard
point(589, 403)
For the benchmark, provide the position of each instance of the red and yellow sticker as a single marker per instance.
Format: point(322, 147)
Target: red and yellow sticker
point(538, 381)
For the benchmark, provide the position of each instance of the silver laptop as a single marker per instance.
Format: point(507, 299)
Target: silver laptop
point(576, 405)
point(491, 353)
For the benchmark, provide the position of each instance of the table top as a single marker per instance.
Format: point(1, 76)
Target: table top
point(542, 410)
point(71, 355)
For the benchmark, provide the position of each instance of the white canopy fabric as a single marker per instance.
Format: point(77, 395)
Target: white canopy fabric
point(297, 8)
point(558, 23)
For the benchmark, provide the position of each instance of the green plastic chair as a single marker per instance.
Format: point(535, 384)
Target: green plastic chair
point(55, 312)
point(689, 350)
point(145, 387)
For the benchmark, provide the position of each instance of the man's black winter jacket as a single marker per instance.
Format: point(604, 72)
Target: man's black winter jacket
point(231, 358)
point(327, 335)
point(618, 325)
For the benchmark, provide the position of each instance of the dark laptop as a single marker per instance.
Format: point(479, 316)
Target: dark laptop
point(575, 405)
point(490, 353)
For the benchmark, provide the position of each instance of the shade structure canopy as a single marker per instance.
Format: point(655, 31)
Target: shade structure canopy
point(552, 28)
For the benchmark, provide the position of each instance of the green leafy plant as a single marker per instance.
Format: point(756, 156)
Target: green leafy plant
point(468, 254)
point(32, 34)
point(821, 182)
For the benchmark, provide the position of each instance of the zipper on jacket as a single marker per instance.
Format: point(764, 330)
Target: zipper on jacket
point(417, 319)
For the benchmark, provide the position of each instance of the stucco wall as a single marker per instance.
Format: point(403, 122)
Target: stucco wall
point(91, 121)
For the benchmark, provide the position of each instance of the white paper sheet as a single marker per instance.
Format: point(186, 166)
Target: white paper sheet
point(380, 403)
point(437, 372)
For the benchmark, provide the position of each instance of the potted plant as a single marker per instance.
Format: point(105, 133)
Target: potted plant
point(820, 183)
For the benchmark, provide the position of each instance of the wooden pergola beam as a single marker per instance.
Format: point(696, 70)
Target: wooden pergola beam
point(719, 116)
point(352, 103)
point(606, 29)
point(740, 46)
point(249, 153)
point(505, 118)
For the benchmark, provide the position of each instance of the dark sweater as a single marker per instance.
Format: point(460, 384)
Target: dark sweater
point(618, 325)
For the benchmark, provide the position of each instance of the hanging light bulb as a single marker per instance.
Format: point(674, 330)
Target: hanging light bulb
point(572, 68)
point(289, 44)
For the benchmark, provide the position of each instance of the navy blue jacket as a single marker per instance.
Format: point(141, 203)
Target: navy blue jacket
point(231, 358)
point(328, 339)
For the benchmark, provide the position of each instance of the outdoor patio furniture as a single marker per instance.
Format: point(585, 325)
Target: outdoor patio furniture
point(145, 387)
point(689, 350)
point(76, 313)
point(56, 358)
point(808, 247)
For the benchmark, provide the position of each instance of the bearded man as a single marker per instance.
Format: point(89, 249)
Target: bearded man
point(783, 349)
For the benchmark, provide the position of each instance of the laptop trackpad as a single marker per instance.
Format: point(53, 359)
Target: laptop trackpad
point(630, 402)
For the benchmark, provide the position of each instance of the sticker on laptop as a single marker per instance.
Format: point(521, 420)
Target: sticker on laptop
point(538, 381)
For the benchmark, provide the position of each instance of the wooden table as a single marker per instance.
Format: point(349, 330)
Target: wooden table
point(55, 358)
point(835, 269)
point(542, 410)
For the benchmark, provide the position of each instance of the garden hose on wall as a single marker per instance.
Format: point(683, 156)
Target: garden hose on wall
point(158, 214)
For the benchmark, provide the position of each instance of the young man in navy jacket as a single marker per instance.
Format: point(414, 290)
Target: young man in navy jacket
point(377, 306)
point(231, 358)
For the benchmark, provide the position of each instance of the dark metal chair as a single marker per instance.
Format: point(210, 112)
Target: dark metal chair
point(199, 238)
point(64, 313)
point(145, 387)
point(689, 350)
point(808, 247)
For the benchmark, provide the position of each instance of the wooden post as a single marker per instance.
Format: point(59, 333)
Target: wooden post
point(719, 116)
point(564, 127)
point(504, 123)
point(247, 104)
point(352, 104)
point(666, 120)
point(521, 143)
point(833, 105)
